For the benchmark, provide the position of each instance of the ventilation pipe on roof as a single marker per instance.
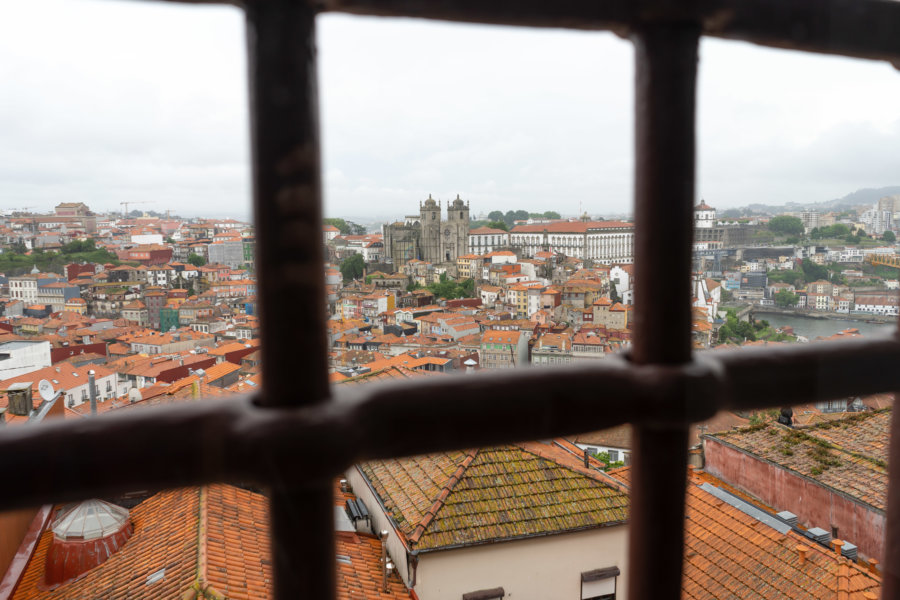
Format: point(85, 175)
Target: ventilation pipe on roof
point(837, 545)
point(802, 550)
point(873, 566)
point(587, 459)
point(92, 391)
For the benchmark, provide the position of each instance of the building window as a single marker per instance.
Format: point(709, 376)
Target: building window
point(487, 594)
point(599, 584)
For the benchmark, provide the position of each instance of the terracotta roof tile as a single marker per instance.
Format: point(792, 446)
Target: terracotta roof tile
point(485, 495)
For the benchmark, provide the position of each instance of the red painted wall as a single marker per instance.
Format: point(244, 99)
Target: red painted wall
point(176, 373)
point(58, 354)
point(236, 356)
point(814, 504)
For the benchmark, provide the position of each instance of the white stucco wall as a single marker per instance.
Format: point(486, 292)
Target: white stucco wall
point(21, 357)
point(535, 568)
point(528, 569)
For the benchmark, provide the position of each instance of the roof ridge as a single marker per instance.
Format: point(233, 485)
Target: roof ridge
point(201, 586)
point(576, 466)
point(432, 511)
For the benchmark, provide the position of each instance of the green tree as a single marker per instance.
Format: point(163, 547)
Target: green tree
point(498, 225)
point(604, 458)
point(551, 214)
point(812, 271)
point(356, 229)
point(786, 225)
point(889, 237)
point(339, 223)
point(521, 215)
point(352, 267)
point(196, 260)
point(495, 215)
point(447, 288)
point(786, 298)
point(19, 247)
point(413, 286)
point(72, 247)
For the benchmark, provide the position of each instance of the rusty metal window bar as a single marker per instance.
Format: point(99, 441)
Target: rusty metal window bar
point(295, 437)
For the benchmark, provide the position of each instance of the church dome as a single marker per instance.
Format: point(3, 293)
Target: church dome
point(458, 204)
point(430, 203)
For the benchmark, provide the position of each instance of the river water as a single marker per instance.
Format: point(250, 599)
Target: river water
point(812, 328)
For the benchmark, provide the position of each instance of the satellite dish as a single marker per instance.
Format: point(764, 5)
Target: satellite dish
point(45, 389)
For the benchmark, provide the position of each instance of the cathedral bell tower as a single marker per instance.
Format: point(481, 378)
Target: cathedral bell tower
point(456, 230)
point(430, 212)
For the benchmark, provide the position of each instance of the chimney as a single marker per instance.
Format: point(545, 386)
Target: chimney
point(92, 391)
point(20, 403)
point(873, 566)
point(587, 459)
point(802, 550)
point(837, 545)
point(384, 560)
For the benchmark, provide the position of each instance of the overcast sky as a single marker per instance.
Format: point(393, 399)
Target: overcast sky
point(105, 101)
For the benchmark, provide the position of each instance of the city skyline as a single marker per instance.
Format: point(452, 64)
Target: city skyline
point(508, 118)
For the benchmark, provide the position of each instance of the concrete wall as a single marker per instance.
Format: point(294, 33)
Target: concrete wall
point(814, 504)
point(23, 357)
point(527, 569)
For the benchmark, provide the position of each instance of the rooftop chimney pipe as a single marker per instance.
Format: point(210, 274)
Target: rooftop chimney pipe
point(92, 391)
point(802, 550)
point(384, 559)
point(873, 566)
point(837, 545)
point(587, 459)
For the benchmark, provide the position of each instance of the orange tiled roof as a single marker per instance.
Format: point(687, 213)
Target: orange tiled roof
point(213, 542)
point(729, 554)
point(491, 494)
point(866, 433)
point(812, 455)
point(220, 370)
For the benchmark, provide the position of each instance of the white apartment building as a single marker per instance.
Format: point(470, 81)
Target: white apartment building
point(704, 216)
point(23, 288)
point(604, 241)
point(20, 357)
point(484, 239)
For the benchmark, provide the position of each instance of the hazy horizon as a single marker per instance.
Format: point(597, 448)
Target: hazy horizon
point(147, 103)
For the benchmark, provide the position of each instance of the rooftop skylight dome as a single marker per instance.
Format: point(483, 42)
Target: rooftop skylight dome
point(85, 535)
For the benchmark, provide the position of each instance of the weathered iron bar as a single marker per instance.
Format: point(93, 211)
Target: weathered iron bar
point(862, 29)
point(287, 201)
point(238, 440)
point(857, 28)
point(665, 90)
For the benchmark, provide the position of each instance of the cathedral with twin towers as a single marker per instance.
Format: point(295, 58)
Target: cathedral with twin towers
point(428, 236)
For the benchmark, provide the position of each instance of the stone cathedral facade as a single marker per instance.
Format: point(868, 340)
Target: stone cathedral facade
point(428, 236)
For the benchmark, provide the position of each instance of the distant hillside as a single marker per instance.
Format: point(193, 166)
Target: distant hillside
point(866, 196)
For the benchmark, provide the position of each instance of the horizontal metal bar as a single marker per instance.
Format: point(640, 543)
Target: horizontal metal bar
point(235, 440)
point(763, 377)
point(859, 28)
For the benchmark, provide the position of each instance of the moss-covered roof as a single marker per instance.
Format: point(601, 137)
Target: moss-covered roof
point(493, 494)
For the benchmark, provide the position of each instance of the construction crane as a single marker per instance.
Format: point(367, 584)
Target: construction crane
point(125, 204)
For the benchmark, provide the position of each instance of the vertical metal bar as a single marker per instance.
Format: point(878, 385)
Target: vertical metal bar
point(288, 216)
point(890, 570)
point(665, 80)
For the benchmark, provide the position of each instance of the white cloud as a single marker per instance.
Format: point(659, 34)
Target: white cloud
point(109, 101)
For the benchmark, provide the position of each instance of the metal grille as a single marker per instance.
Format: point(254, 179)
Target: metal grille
point(294, 437)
